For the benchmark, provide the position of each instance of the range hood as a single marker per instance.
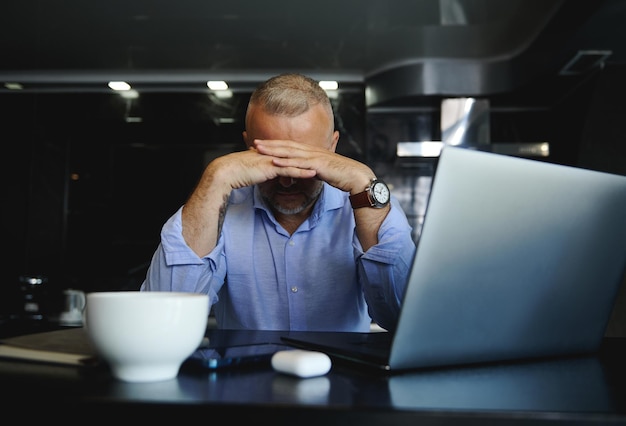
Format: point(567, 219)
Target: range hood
point(466, 122)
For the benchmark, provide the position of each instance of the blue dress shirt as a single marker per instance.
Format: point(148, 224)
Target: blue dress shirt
point(260, 277)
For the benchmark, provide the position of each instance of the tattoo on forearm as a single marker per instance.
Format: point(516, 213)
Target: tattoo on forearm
point(222, 214)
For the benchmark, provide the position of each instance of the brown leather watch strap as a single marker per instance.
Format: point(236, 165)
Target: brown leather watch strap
point(360, 200)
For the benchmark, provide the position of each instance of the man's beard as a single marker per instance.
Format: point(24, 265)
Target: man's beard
point(309, 201)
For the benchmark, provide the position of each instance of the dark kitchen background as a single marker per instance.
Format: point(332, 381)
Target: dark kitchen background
point(89, 176)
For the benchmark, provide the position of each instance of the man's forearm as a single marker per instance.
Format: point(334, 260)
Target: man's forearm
point(203, 214)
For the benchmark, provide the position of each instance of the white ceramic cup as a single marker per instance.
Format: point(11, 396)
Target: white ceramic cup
point(145, 336)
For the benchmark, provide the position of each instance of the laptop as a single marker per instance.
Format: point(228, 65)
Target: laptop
point(517, 258)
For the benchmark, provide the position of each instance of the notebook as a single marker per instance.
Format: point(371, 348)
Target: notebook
point(517, 258)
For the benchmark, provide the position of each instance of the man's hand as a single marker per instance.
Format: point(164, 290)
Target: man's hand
point(294, 159)
point(250, 167)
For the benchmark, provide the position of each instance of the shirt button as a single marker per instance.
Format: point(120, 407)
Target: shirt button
point(294, 289)
point(291, 243)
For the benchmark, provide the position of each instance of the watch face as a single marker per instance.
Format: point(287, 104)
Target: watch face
point(380, 192)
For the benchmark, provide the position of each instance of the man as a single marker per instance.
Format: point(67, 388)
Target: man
point(283, 236)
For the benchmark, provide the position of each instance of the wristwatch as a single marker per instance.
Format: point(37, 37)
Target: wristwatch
point(376, 195)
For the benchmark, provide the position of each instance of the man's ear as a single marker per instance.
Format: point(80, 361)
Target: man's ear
point(245, 139)
point(333, 147)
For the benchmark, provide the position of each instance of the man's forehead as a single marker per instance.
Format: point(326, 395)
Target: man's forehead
point(313, 121)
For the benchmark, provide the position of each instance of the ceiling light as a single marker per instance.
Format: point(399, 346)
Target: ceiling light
point(119, 85)
point(217, 85)
point(329, 85)
point(13, 86)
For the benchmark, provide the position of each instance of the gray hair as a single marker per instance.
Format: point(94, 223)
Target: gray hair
point(290, 95)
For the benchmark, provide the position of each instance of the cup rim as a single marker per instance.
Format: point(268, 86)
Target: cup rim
point(152, 294)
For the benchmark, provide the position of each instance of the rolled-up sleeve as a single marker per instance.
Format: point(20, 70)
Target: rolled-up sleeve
point(383, 270)
point(175, 267)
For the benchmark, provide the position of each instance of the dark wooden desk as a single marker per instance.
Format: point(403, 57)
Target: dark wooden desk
point(572, 391)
